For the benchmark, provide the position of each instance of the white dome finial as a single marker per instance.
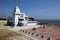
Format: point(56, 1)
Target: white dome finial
point(17, 10)
point(17, 7)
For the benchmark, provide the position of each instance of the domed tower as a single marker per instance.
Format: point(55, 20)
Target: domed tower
point(18, 17)
point(15, 16)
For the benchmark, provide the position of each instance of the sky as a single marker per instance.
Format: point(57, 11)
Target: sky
point(39, 9)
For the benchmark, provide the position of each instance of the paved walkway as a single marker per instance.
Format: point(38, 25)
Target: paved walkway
point(23, 27)
point(28, 35)
point(32, 36)
point(24, 34)
point(16, 29)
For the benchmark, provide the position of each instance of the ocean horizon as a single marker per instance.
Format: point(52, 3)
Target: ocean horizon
point(49, 22)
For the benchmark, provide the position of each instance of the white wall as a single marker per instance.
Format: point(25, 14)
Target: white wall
point(16, 20)
point(32, 24)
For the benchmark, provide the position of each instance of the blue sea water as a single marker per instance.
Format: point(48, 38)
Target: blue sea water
point(50, 22)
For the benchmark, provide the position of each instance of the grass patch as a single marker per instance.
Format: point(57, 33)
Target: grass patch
point(5, 33)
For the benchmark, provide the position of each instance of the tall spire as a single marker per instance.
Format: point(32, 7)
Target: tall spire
point(17, 10)
point(17, 7)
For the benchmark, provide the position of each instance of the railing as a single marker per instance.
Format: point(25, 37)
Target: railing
point(28, 22)
point(32, 22)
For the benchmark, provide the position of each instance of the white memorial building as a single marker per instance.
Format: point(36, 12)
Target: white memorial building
point(21, 18)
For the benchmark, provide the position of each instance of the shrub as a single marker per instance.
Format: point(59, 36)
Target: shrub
point(33, 28)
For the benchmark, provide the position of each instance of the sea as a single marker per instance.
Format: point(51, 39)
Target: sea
point(50, 22)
